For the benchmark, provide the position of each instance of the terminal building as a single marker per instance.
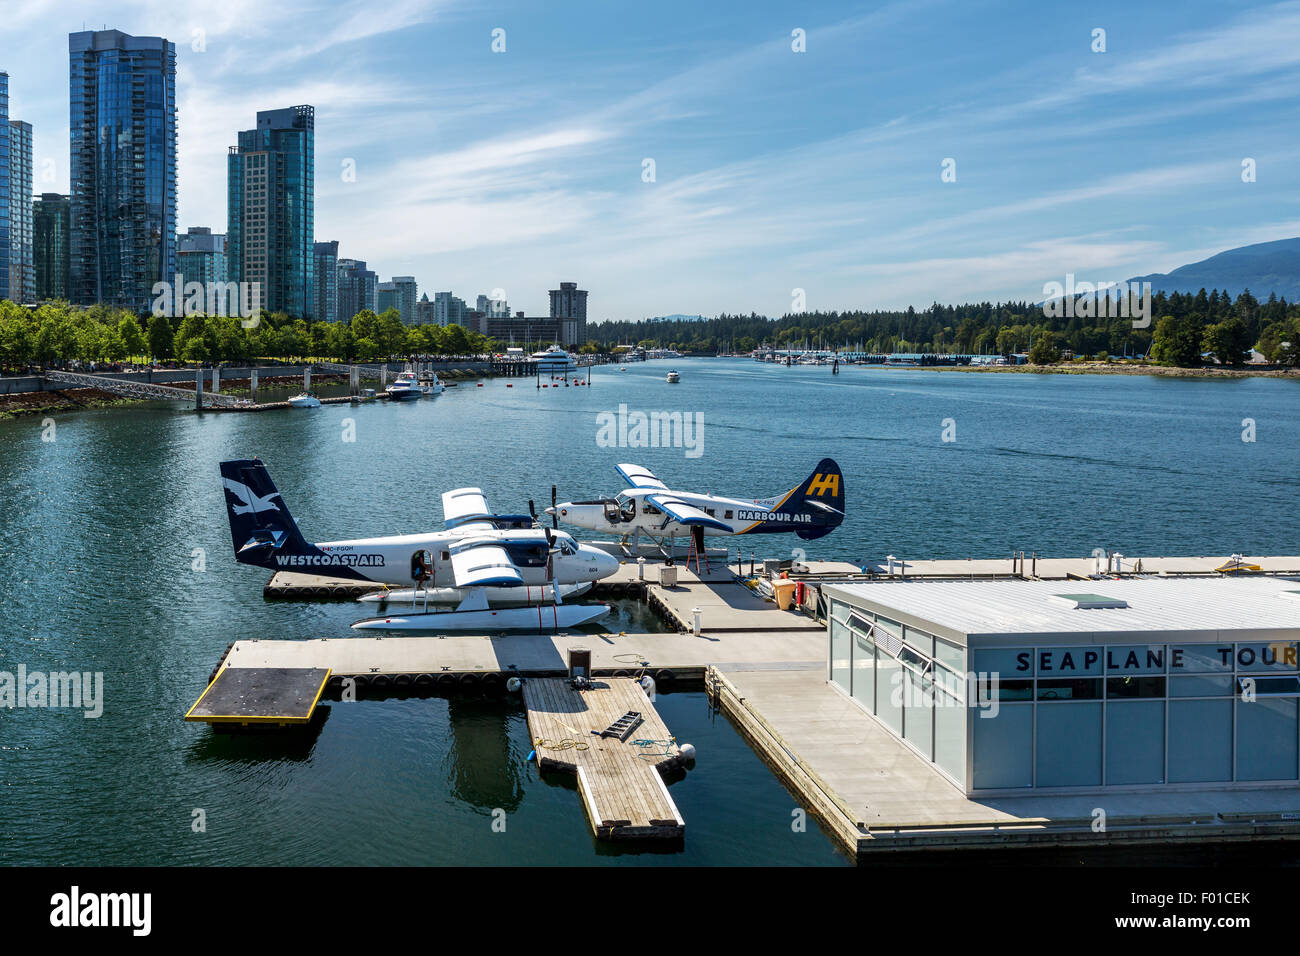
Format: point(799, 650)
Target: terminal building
point(1008, 687)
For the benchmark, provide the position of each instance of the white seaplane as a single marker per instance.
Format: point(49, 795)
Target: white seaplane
point(478, 555)
point(811, 509)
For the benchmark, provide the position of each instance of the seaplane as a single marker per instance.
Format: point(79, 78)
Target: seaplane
point(811, 509)
point(501, 571)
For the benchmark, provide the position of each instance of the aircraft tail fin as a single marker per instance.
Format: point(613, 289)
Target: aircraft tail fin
point(818, 501)
point(260, 524)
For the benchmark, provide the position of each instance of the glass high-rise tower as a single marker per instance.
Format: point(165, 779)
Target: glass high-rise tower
point(122, 164)
point(270, 223)
point(50, 241)
point(22, 278)
point(4, 186)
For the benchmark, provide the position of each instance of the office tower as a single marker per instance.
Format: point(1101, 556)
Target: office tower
point(22, 279)
point(569, 302)
point(448, 309)
point(493, 308)
point(358, 288)
point(122, 166)
point(385, 297)
point(201, 256)
point(270, 216)
point(327, 281)
point(50, 217)
point(407, 292)
point(4, 186)
point(425, 313)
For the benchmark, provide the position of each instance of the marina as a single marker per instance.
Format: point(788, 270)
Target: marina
point(435, 738)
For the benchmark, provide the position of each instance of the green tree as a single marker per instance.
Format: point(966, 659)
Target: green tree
point(1044, 350)
point(1227, 340)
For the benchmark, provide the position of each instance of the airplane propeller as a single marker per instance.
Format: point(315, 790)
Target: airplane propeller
point(555, 514)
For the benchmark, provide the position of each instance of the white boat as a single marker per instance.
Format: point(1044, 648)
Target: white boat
point(540, 617)
point(496, 596)
point(304, 400)
point(405, 388)
point(430, 385)
point(673, 377)
point(554, 361)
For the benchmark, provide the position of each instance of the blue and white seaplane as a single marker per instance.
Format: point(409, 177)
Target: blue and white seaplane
point(811, 509)
point(501, 571)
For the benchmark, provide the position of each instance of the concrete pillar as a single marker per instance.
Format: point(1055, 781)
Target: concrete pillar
point(383, 376)
point(354, 380)
point(198, 389)
point(216, 380)
point(252, 385)
point(306, 379)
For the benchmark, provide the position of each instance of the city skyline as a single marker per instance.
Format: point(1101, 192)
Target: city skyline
point(768, 162)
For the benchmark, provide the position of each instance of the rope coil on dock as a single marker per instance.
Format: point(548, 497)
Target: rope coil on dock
point(564, 743)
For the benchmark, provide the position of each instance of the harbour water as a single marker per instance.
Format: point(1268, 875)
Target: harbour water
point(115, 558)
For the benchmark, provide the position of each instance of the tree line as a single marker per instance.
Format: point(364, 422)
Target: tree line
point(58, 333)
point(1183, 327)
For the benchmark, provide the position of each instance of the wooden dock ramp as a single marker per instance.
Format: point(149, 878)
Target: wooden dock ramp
point(620, 780)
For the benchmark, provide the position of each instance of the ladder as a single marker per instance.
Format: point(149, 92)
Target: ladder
point(698, 553)
point(623, 727)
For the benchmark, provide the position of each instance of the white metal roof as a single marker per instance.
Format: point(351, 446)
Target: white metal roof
point(1178, 605)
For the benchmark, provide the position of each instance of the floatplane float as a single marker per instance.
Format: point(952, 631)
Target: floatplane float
point(478, 555)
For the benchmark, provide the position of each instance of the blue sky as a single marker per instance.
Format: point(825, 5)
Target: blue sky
point(774, 170)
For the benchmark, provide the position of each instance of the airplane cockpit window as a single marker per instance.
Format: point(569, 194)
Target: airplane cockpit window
point(627, 506)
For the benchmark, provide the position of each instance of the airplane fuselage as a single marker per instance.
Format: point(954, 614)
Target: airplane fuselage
point(397, 559)
point(630, 512)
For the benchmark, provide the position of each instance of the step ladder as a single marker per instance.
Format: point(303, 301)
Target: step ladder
point(623, 727)
point(696, 554)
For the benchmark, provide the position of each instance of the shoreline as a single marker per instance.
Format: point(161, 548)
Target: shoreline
point(1094, 368)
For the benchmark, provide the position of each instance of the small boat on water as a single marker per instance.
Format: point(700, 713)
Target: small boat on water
point(304, 400)
point(405, 388)
point(673, 377)
point(430, 384)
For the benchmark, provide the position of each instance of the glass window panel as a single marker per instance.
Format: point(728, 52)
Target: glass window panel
point(840, 638)
point(1250, 686)
point(1266, 739)
point(1068, 746)
point(1274, 656)
point(1085, 688)
point(918, 715)
point(920, 640)
point(1200, 740)
point(950, 735)
point(1068, 661)
point(1135, 742)
point(889, 704)
point(989, 690)
point(1135, 687)
point(953, 683)
point(1206, 685)
point(1006, 661)
point(1136, 659)
point(893, 627)
point(1199, 658)
point(1003, 747)
point(864, 672)
point(951, 655)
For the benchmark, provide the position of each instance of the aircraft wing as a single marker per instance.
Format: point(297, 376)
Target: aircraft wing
point(684, 513)
point(481, 563)
point(466, 508)
point(639, 477)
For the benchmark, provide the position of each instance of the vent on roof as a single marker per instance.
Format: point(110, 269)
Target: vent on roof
point(1088, 602)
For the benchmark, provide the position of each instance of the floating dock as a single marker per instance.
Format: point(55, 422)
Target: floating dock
point(875, 796)
point(247, 696)
point(620, 780)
